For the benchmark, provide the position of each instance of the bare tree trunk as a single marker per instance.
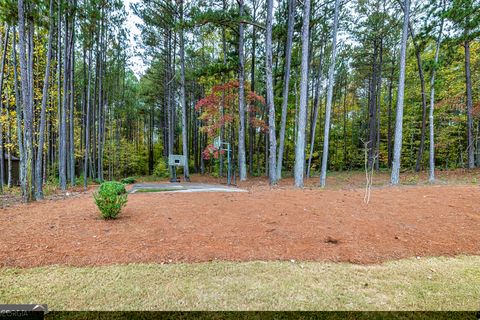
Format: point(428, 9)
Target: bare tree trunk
point(378, 105)
point(18, 104)
point(372, 108)
point(345, 154)
point(468, 85)
point(331, 79)
point(169, 100)
point(182, 99)
point(397, 149)
point(222, 112)
point(431, 172)
point(2, 76)
point(272, 173)
point(300, 145)
point(30, 74)
point(62, 166)
point(41, 134)
point(286, 82)
point(27, 101)
point(9, 132)
point(241, 100)
point(316, 107)
point(72, 104)
point(101, 111)
point(87, 123)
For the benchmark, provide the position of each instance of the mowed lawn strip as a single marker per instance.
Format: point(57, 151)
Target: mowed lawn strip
point(412, 284)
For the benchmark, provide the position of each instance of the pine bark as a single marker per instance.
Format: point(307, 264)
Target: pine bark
point(87, 123)
point(41, 133)
point(300, 143)
point(241, 98)
point(328, 110)
point(19, 119)
point(182, 98)
point(27, 101)
point(397, 149)
point(272, 173)
point(2, 77)
point(431, 171)
point(286, 85)
point(468, 85)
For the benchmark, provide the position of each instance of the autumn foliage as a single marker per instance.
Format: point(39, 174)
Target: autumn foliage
point(220, 109)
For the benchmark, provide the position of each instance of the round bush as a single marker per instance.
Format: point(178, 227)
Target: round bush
point(110, 199)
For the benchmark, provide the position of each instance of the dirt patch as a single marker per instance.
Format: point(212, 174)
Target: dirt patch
point(262, 224)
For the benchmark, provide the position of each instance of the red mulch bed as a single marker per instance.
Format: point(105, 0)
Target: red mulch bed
point(263, 224)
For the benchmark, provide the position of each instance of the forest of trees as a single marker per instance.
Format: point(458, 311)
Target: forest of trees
point(296, 87)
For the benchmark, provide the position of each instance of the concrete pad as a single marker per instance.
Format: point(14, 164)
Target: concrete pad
point(182, 187)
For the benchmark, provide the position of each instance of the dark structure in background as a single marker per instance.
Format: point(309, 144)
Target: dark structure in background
point(15, 170)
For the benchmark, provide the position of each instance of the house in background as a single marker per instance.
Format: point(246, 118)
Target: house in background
point(15, 170)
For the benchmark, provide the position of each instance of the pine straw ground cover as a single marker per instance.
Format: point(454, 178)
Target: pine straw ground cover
point(410, 284)
point(259, 225)
point(210, 251)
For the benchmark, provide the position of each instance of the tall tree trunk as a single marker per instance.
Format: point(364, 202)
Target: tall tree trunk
point(41, 133)
point(62, 166)
point(87, 123)
point(468, 85)
point(286, 82)
point(241, 99)
point(9, 149)
point(72, 103)
point(378, 105)
point(222, 112)
point(397, 149)
point(101, 112)
point(328, 110)
point(316, 107)
point(169, 100)
point(431, 172)
point(251, 113)
point(345, 154)
point(300, 145)
point(18, 104)
point(27, 101)
point(272, 174)
point(372, 107)
point(182, 98)
point(2, 76)
point(30, 74)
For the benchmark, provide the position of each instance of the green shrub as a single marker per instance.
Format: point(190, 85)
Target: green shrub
point(110, 199)
point(128, 180)
point(161, 170)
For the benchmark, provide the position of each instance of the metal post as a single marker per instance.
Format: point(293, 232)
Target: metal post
point(174, 179)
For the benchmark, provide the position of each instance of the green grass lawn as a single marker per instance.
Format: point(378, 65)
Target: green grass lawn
point(412, 284)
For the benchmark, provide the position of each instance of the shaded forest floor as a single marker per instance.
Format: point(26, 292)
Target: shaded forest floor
point(281, 223)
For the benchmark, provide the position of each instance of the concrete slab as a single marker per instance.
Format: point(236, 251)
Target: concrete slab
point(182, 187)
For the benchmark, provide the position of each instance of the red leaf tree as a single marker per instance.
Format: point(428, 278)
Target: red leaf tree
point(213, 118)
